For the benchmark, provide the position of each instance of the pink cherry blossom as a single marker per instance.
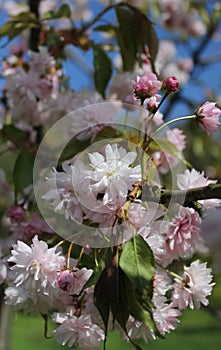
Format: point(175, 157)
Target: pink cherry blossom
point(208, 116)
point(146, 86)
point(195, 287)
point(137, 330)
point(183, 234)
point(194, 179)
point(62, 191)
point(171, 84)
point(65, 280)
point(165, 315)
point(80, 277)
point(33, 285)
point(162, 282)
point(35, 267)
point(77, 331)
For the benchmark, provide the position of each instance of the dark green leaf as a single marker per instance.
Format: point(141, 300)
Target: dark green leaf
point(106, 28)
point(138, 311)
point(117, 293)
point(23, 171)
point(127, 37)
point(95, 276)
point(101, 298)
point(73, 147)
point(135, 32)
point(63, 12)
point(18, 24)
point(108, 132)
point(166, 146)
point(5, 29)
point(15, 135)
point(137, 262)
point(102, 69)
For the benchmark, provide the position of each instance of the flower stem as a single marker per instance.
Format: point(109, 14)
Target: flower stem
point(173, 121)
point(69, 254)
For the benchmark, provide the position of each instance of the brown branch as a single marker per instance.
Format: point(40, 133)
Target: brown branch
point(183, 197)
point(34, 32)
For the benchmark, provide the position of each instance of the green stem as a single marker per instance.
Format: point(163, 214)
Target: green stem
point(173, 121)
point(173, 274)
point(140, 122)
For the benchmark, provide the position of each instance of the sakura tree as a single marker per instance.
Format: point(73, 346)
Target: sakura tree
point(101, 208)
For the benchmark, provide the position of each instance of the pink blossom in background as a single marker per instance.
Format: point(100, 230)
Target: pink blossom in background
point(195, 288)
point(208, 116)
point(27, 229)
point(16, 213)
point(146, 86)
point(166, 161)
point(90, 121)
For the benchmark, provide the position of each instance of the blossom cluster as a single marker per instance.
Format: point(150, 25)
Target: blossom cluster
point(132, 229)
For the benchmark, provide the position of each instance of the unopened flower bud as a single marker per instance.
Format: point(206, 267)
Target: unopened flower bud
point(66, 280)
point(208, 116)
point(171, 84)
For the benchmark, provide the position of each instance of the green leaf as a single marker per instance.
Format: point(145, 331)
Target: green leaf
point(108, 132)
point(166, 146)
point(106, 28)
point(73, 147)
point(18, 24)
point(5, 29)
point(137, 262)
point(134, 33)
point(101, 298)
point(15, 135)
point(63, 12)
point(110, 294)
point(117, 293)
point(95, 276)
point(138, 311)
point(127, 37)
point(150, 39)
point(102, 69)
point(23, 171)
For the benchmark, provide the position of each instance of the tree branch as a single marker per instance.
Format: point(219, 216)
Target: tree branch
point(34, 32)
point(183, 197)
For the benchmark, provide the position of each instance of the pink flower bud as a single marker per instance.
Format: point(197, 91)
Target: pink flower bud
point(146, 86)
point(66, 280)
point(16, 213)
point(171, 84)
point(208, 116)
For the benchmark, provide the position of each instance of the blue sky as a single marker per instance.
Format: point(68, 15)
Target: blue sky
point(79, 78)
